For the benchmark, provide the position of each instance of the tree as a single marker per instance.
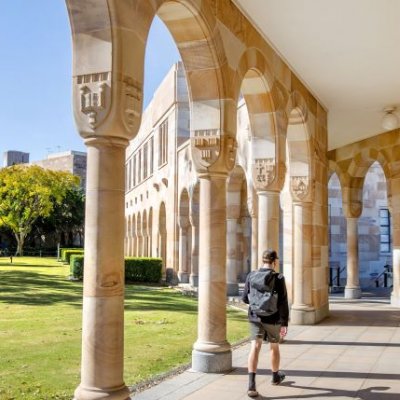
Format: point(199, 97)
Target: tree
point(30, 192)
point(66, 220)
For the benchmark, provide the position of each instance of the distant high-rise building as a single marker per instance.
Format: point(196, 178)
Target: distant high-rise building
point(13, 157)
point(69, 161)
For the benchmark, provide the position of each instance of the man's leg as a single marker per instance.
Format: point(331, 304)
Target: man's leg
point(273, 332)
point(252, 366)
point(275, 357)
point(254, 353)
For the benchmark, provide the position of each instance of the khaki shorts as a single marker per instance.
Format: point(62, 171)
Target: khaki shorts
point(267, 332)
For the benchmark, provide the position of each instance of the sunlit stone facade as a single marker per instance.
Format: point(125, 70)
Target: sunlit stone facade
point(279, 162)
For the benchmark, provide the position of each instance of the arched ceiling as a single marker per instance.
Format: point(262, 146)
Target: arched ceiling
point(345, 51)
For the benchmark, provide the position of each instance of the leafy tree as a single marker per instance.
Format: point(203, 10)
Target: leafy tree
point(30, 192)
point(67, 218)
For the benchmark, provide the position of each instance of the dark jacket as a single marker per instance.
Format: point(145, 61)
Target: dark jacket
point(282, 315)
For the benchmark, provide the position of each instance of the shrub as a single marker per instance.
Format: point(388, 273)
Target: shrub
point(143, 269)
point(65, 249)
point(76, 266)
point(68, 253)
point(136, 269)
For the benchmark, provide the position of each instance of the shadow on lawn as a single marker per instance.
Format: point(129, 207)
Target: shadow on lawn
point(142, 299)
point(31, 288)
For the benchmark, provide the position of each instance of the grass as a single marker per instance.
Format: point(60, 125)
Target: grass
point(40, 330)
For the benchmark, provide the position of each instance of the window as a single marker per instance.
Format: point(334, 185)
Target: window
point(384, 221)
point(151, 155)
point(140, 167)
point(145, 158)
point(135, 169)
point(130, 174)
point(163, 143)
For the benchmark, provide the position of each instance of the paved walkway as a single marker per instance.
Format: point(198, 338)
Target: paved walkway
point(354, 354)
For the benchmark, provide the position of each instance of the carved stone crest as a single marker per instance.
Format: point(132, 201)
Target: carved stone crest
point(207, 142)
point(94, 93)
point(131, 102)
point(263, 172)
point(299, 186)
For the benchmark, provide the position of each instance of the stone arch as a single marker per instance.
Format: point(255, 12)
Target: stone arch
point(362, 161)
point(354, 178)
point(212, 110)
point(111, 39)
point(263, 97)
point(299, 142)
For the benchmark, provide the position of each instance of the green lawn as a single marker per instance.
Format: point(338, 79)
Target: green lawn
point(40, 330)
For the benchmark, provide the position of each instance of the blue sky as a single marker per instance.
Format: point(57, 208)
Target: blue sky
point(35, 72)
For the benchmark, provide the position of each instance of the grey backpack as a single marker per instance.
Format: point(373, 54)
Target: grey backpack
point(263, 299)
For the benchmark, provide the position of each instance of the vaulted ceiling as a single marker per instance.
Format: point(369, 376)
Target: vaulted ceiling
point(347, 52)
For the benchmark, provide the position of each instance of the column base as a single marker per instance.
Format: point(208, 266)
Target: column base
point(352, 293)
point(232, 289)
point(395, 300)
point(302, 315)
point(321, 313)
point(194, 280)
point(183, 277)
point(211, 362)
point(84, 393)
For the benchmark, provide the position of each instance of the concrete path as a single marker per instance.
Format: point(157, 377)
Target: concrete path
point(354, 354)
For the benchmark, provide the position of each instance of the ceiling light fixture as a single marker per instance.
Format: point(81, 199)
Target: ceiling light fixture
point(390, 120)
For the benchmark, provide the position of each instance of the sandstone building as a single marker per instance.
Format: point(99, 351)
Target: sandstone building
point(229, 52)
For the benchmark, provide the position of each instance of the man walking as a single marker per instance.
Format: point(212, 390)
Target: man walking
point(263, 326)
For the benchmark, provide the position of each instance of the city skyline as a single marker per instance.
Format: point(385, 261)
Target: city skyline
point(36, 101)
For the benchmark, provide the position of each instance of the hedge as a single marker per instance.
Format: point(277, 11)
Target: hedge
point(65, 249)
point(143, 269)
point(76, 266)
point(137, 269)
point(68, 253)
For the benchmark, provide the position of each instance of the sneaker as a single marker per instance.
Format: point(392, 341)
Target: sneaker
point(252, 393)
point(278, 378)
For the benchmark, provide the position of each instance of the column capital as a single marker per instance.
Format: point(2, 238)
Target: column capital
point(213, 175)
point(105, 101)
point(104, 141)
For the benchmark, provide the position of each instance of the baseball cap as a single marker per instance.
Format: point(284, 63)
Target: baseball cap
point(269, 256)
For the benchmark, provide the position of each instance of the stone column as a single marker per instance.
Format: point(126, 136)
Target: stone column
point(211, 351)
point(231, 259)
point(352, 289)
point(252, 205)
point(246, 248)
point(395, 296)
point(254, 243)
point(302, 311)
point(183, 274)
point(268, 222)
point(103, 289)
point(395, 222)
point(194, 274)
